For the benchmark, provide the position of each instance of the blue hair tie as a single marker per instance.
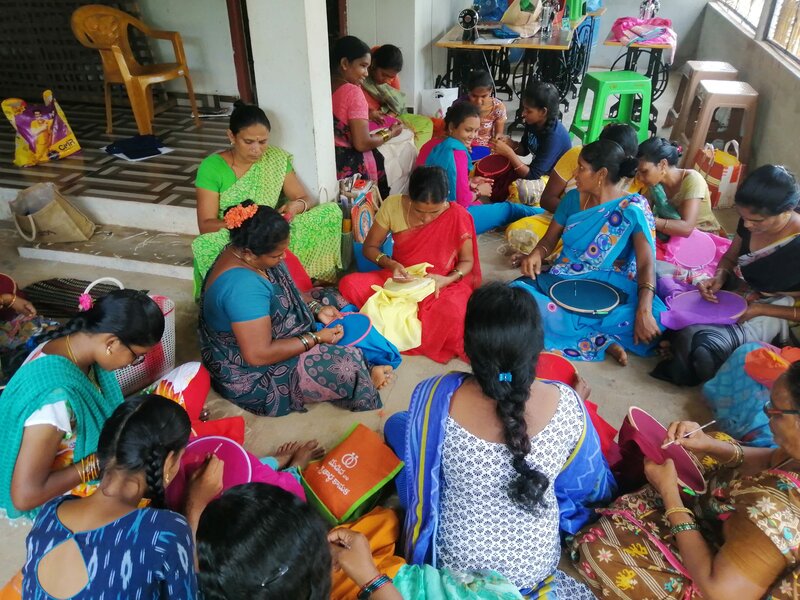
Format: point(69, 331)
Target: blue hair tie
point(505, 376)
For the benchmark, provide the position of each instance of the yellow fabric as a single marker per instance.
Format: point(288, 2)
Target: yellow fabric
point(393, 308)
point(537, 225)
point(391, 215)
point(382, 528)
point(567, 165)
point(694, 186)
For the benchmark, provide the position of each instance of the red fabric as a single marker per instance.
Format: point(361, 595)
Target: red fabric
point(437, 243)
point(298, 272)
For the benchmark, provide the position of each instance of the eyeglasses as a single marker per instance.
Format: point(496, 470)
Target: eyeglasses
point(771, 411)
point(137, 358)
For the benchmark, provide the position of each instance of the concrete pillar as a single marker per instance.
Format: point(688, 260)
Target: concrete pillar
point(293, 86)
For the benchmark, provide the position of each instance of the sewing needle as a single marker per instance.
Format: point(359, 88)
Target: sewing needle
point(689, 433)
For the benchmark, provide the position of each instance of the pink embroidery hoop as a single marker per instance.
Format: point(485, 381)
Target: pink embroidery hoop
point(695, 251)
point(356, 327)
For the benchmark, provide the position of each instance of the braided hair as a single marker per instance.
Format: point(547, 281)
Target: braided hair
point(503, 334)
point(139, 436)
point(259, 542)
point(130, 315)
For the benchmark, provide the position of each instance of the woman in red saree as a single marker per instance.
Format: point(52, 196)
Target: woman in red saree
point(426, 228)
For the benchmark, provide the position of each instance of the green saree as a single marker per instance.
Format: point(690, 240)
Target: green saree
point(315, 234)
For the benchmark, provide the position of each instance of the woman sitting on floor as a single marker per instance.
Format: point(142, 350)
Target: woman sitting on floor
point(608, 238)
point(258, 333)
point(740, 539)
point(354, 143)
point(253, 170)
point(485, 454)
point(259, 542)
point(426, 228)
point(56, 404)
point(74, 548)
point(562, 180)
point(681, 203)
point(764, 258)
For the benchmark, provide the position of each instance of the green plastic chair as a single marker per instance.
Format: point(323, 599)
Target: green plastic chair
point(624, 84)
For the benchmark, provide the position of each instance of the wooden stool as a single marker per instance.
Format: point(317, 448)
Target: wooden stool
point(692, 73)
point(711, 95)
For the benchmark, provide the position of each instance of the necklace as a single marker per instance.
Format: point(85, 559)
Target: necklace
point(90, 374)
point(249, 266)
point(69, 351)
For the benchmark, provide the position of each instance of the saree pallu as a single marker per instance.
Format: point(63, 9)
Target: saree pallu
point(315, 234)
point(630, 552)
point(598, 245)
point(699, 351)
point(422, 453)
point(441, 155)
point(325, 373)
point(437, 243)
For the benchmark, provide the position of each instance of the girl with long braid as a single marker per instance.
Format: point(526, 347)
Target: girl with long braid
point(487, 482)
point(106, 544)
point(56, 404)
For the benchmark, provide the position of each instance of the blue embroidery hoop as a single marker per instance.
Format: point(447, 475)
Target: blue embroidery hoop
point(584, 296)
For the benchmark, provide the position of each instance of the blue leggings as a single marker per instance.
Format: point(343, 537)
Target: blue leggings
point(394, 432)
point(500, 214)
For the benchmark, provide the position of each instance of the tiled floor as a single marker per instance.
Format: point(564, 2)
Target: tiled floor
point(165, 179)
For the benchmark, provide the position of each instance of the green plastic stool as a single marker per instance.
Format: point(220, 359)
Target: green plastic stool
point(625, 84)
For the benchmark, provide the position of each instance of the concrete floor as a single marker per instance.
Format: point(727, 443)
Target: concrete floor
point(614, 388)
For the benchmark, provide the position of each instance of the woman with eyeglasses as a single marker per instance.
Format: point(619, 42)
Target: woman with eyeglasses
point(54, 407)
point(740, 539)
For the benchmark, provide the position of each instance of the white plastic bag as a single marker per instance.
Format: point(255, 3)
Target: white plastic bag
point(434, 103)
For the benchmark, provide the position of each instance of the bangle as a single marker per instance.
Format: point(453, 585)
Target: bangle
point(315, 307)
point(521, 164)
point(738, 456)
point(541, 246)
point(458, 272)
point(315, 337)
point(674, 511)
point(690, 526)
point(666, 225)
point(373, 586)
point(379, 257)
point(647, 285)
point(79, 467)
point(386, 136)
point(11, 302)
point(794, 313)
point(302, 338)
point(305, 204)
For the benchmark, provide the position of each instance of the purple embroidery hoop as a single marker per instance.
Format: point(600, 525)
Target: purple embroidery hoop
point(729, 308)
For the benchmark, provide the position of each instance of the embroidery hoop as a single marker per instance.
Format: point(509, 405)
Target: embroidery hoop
point(584, 296)
point(730, 305)
point(356, 327)
point(695, 251)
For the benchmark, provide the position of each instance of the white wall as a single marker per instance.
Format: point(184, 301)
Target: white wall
point(292, 78)
point(777, 83)
point(203, 25)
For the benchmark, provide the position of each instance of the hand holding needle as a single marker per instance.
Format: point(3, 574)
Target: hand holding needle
point(687, 434)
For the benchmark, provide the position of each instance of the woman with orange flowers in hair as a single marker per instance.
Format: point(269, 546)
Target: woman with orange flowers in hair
point(259, 335)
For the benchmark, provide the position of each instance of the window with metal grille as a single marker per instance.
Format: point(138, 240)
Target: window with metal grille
point(784, 27)
point(749, 11)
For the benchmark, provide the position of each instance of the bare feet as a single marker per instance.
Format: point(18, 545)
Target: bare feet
point(381, 376)
point(581, 387)
point(664, 350)
point(284, 453)
point(618, 352)
point(306, 453)
point(516, 259)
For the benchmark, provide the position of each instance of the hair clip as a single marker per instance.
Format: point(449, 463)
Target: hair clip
point(85, 302)
point(279, 572)
point(505, 376)
point(238, 215)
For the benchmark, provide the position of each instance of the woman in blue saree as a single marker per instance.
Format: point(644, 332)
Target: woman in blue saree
point(607, 238)
point(498, 462)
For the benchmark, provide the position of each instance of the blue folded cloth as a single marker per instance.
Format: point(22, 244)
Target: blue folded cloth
point(505, 32)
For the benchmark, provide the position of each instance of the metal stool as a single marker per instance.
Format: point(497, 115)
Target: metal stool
point(710, 96)
point(692, 73)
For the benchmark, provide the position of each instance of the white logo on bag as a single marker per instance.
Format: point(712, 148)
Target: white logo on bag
point(350, 460)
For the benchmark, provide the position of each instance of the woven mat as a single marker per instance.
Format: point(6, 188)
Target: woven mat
point(58, 298)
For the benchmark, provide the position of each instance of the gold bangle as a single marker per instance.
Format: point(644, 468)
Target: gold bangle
point(379, 257)
point(79, 468)
point(544, 247)
point(315, 337)
point(386, 136)
point(302, 338)
point(647, 285)
point(674, 511)
point(738, 456)
point(460, 274)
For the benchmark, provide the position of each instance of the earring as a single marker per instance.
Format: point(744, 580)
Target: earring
point(108, 350)
point(166, 479)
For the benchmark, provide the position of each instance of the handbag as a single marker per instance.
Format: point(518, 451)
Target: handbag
point(721, 170)
point(345, 483)
point(160, 360)
point(42, 214)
